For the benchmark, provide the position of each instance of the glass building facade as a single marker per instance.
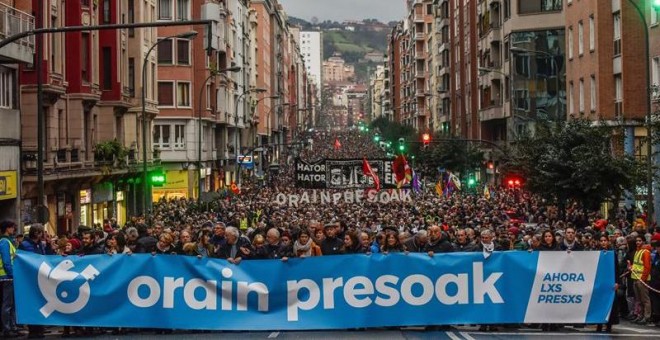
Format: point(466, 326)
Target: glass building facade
point(538, 74)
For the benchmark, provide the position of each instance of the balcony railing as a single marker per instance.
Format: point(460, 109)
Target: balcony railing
point(13, 21)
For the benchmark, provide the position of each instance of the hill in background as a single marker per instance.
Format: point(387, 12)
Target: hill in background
point(353, 40)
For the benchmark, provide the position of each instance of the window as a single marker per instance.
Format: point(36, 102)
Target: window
point(165, 9)
point(161, 136)
point(165, 52)
point(106, 12)
point(617, 33)
point(183, 52)
point(183, 94)
point(208, 96)
point(183, 10)
point(131, 17)
point(655, 15)
point(165, 93)
point(507, 9)
point(580, 38)
point(131, 76)
point(179, 136)
point(581, 94)
point(539, 6)
point(7, 88)
point(655, 72)
point(592, 95)
point(84, 61)
point(592, 34)
point(570, 43)
point(107, 68)
point(571, 98)
point(618, 88)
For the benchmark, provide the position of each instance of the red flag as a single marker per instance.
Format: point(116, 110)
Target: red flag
point(235, 189)
point(337, 144)
point(368, 171)
point(402, 171)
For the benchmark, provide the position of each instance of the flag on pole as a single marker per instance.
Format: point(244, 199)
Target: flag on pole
point(438, 187)
point(416, 183)
point(402, 171)
point(368, 171)
point(455, 181)
point(235, 189)
point(337, 144)
point(486, 192)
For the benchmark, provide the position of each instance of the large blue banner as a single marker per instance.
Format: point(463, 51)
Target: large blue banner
point(325, 292)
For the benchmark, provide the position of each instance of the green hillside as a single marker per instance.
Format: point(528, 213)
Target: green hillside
point(353, 45)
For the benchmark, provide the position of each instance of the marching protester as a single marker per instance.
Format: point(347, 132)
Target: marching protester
point(7, 305)
point(254, 225)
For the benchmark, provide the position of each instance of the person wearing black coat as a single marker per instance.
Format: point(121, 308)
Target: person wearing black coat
point(236, 248)
point(438, 242)
point(548, 242)
point(604, 243)
point(331, 244)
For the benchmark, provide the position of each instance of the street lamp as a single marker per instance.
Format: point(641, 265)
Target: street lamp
point(199, 124)
point(554, 64)
point(237, 168)
point(145, 186)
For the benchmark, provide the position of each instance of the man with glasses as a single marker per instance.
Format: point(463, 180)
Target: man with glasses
point(640, 271)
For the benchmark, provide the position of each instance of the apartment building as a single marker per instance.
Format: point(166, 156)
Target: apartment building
point(438, 63)
point(604, 42)
point(335, 70)
point(522, 68)
point(15, 18)
point(394, 65)
point(377, 93)
point(311, 48)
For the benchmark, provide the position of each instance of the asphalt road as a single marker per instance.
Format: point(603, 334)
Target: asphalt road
point(623, 331)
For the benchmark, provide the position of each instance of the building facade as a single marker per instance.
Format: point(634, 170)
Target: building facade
point(311, 49)
point(16, 19)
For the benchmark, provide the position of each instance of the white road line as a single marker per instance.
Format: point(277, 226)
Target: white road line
point(610, 335)
point(467, 336)
point(274, 335)
point(453, 336)
point(636, 330)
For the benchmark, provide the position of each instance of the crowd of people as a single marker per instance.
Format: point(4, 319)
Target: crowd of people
point(251, 225)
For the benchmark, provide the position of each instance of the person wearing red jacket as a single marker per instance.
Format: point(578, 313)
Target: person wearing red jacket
point(640, 272)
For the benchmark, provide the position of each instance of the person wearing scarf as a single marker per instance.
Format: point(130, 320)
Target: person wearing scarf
point(569, 242)
point(305, 246)
point(487, 246)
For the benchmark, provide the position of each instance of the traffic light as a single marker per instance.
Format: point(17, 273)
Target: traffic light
point(402, 145)
point(157, 178)
point(656, 4)
point(513, 182)
point(471, 182)
point(377, 138)
point(426, 140)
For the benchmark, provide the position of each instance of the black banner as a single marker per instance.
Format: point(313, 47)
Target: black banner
point(343, 174)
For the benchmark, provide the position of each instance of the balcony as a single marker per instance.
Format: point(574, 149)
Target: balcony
point(420, 36)
point(12, 22)
point(495, 33)
point(492, 112)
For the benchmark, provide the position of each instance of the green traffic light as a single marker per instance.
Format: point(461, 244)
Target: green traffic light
point(377, 138)
point(402, 148)
point(471, 182)
point(656, 4)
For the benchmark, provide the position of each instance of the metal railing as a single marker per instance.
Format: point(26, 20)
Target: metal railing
point(13, 21)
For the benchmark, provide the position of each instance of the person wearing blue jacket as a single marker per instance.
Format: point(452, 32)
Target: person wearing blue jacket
point(7, 305)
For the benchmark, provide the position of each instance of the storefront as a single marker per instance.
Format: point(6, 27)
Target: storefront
point(176, 186)
point(85, 207)
point(102, 199)
point(8, 194)
point(121, 207)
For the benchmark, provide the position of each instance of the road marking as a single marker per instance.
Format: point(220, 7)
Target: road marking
point(611, 335)
point(466, 335)
point(274, 335)
point(636, 330)
point(453, 336)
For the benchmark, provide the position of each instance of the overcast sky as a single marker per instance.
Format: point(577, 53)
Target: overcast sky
point(339, 10)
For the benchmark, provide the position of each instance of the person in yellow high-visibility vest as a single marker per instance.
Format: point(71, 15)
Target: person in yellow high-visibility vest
point(640, 272)
point(7, 254)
